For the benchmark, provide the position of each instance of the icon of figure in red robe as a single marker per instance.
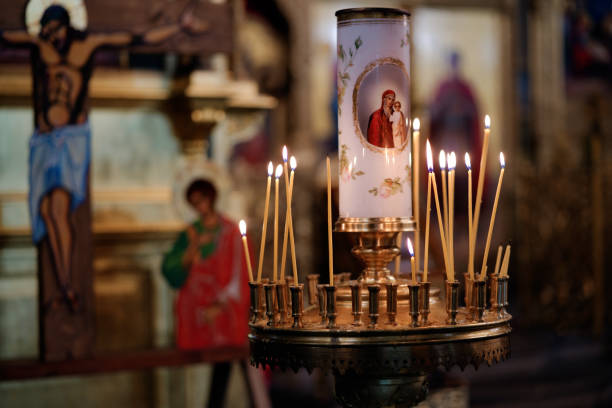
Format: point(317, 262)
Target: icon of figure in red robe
point(208, 268)
point(380, 129)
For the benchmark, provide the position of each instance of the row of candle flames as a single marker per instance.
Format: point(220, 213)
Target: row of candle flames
point(447, 163)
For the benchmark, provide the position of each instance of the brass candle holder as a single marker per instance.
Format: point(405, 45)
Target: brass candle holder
point(356, 302)
point(332, 311)
point(468, 289)
point(297, 305)
point(502, 297)
point(480, 291)
point(391, 302)
point(288, 283)
point(424, 303)
point(262, 298)
point(322, 297)
point(373, 291)
point(414, 303)
point(270, 291)
point(254, 288)
point(452, 301)
point(281, 301)
point(312, 280)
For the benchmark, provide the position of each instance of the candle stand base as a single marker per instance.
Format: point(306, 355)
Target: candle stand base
point(385, 362)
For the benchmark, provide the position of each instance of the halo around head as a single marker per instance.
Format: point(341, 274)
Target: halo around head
point(35, 9)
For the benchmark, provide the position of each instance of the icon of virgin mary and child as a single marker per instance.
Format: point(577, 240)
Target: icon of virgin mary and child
point(387, 125)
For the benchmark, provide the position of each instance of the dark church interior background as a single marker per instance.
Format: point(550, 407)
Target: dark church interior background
point(214, 89)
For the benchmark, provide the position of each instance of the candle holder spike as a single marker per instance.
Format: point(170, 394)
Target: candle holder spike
point(297, 305)
point(312, 281)
point(332, 311)
point(269, 289)
point(322, 297)
point(391, 302)
point(424, 305)
point(452, 301)
point(356, 302)
point(480, 289)
point(414, 303)
point(254, 288)
point(281, 301)
point(373, 291)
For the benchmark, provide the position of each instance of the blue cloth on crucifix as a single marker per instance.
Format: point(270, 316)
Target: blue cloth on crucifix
point(58, 159)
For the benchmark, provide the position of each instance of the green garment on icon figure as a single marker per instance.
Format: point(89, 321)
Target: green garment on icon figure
point(172, 266)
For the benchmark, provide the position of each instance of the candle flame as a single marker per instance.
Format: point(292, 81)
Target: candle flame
point(452, 161)
point(279, 171)
point(442, 160)
point(468, 163)
point(270, 169)
point(285, 154)
point(293, 163)
point(409, 246)
point(502, 161)
point(416, 125)
point(242, 226)
point(487, 122)
point(429, 156)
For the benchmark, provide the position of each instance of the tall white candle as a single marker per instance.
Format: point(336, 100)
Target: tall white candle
point(264, 227)
point(247, 257)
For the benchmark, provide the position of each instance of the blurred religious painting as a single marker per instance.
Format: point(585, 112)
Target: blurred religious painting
point(381, 105)
point(61, 52)
point(588, 41)
point(207, 268)
point(455, 123)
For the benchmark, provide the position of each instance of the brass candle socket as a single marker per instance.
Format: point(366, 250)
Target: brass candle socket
point(297, 305)
point(480, 301)
point(312, 281)
point(468, 289)
point(452, 301)
point(332, 311)
point(288, 284)
point(424, 303)
point(262, 299)
point(373, 291)
point(391, 302)
point(281, 301)
point(492, 284)
point(270, 292)
point(254, 288)
point(502, 296)
point(414, 303)
point(356, 302)
point(322, 297)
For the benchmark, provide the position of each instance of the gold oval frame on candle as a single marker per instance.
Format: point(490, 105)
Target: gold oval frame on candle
point(369, 68)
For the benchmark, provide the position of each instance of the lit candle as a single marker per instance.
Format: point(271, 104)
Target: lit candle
point(428, 209)
point(468, 164)
point(247, 257)
point(287, 220)
point(279, 172)
point(502, 163)
point(293, 163)
point(412, 263)
point(506, 262)
point(498, 260)
point(442, 160)
point(330, 246)
point(481, 176)
point(452, 162)
point(440, 223)
point(262, 245)
point(416, 125)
